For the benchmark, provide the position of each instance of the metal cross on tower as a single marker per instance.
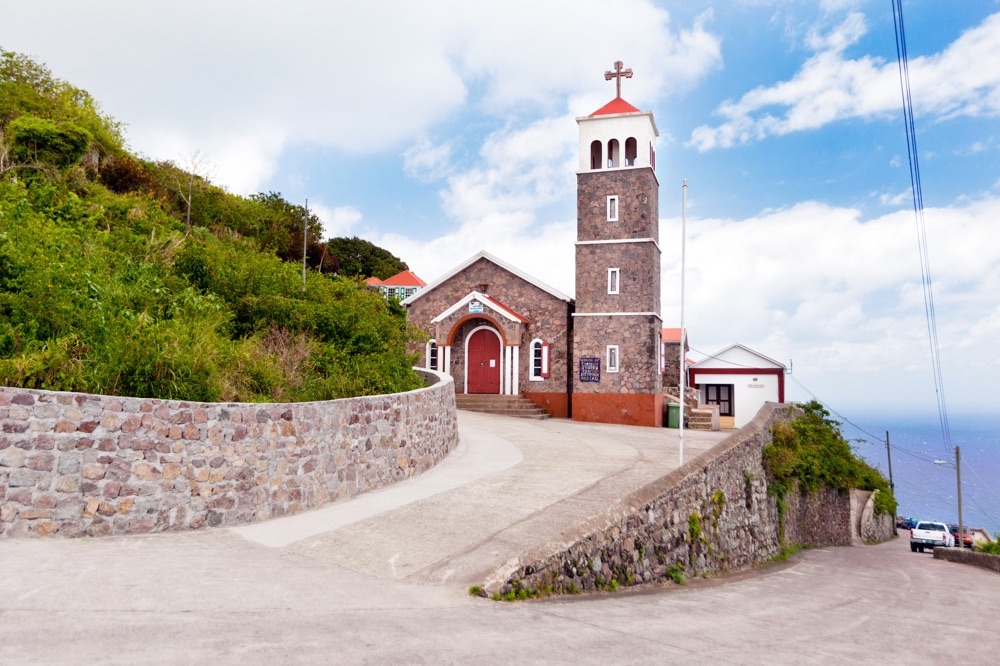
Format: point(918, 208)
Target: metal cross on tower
point(617, 74)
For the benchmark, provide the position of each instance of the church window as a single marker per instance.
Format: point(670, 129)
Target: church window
point(652, 157)
point(596, 156)
point(614, 153)
point(614, 280)
point(613, 358)
point(613, 208)
point(539, 369)
point(631, 151)
point(432, 355)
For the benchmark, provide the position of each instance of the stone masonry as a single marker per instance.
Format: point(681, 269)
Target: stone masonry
point(712, 515)
point(73, 464)
point(548, 319)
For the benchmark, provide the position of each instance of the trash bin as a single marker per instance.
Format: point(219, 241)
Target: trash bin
point(673, 415)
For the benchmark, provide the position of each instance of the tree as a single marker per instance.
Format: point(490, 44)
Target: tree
point(357, 257)
point(28, 88)
point(37, 140)
point(195, 167)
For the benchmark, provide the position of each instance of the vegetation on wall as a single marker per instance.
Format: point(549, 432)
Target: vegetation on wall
point(105, 289)
point(811, 451)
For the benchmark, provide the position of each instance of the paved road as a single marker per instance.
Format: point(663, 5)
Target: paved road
point(232, 597)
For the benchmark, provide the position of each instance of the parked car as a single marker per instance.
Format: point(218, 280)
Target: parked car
point(966, 539)
point(930, 534)
point(906, 523)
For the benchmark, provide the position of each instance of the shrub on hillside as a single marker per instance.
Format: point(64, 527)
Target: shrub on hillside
point(811, 451)
point(41, 142)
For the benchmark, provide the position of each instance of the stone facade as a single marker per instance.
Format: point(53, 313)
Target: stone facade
point(712, 515)
point(639, 282)
point(638, 204)
point(630, 318)
point(671, 355)
point(74, 464)
point(547, 317)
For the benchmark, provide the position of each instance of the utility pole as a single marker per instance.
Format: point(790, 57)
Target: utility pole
point(305, 227)
point(958, 474)
point(892, 486)
point(682, 369)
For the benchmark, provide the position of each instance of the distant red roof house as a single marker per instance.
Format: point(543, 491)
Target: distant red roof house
point(401, 285)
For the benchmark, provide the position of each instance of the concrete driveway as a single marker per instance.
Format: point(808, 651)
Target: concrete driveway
point(382, 579)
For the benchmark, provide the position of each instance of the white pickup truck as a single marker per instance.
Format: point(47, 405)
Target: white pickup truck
point(928, 534)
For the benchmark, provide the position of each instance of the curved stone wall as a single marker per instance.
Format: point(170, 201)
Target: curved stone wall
point(74, 464)
point(711, 515)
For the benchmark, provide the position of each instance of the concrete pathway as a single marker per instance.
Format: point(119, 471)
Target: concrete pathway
point(512, 484)
point(264, 597)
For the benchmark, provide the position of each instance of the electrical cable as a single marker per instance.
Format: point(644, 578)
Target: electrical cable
point(902, 59)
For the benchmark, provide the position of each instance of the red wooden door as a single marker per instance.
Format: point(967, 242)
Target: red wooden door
point(484, 362)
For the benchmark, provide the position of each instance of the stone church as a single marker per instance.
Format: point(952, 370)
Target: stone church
point(498, 330)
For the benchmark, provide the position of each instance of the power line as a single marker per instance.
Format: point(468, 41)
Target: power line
point(835, 412)
point(903, 62)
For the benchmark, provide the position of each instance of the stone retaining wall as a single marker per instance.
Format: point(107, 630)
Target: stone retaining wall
point(966, 556)
point(711, 515)
point(874, 527)
point(74, 464)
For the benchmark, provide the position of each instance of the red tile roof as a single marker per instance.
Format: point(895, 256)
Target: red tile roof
point(671, 335)
point(617, 105)
point(404, 279)
point(373, 281)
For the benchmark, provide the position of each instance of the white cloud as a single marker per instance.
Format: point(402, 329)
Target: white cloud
point(493, 205)
point(830, 87)
point(895, 200)
point(337, 221)
point(842, 295)
point(427, 162)
point(244, 81)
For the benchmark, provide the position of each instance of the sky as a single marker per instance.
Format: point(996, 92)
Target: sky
point(437, 129)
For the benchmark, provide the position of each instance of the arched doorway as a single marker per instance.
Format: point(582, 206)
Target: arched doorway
point(482, 361)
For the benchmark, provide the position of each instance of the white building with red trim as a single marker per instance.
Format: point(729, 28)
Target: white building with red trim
point(400, 286)
point(739, 380)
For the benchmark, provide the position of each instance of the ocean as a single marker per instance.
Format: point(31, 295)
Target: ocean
point(925, 490)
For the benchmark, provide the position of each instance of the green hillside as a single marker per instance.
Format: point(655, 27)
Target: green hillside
point(127, 277)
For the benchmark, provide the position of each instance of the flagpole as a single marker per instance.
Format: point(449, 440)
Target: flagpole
point(682, 370)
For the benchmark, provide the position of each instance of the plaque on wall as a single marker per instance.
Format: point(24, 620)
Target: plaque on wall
point(590, 369)
point(475, 307)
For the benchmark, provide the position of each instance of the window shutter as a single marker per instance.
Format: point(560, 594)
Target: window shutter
point(545, 360)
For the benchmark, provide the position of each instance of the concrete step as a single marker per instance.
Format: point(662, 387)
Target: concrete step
point(505, 405)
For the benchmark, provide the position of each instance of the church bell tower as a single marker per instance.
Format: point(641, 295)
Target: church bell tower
point(617, 323)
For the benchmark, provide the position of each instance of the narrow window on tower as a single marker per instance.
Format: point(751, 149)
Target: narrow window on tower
point(596, 154)
point(614, 278)
point(612, 358)
point(613, 208)
point(631, 151)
